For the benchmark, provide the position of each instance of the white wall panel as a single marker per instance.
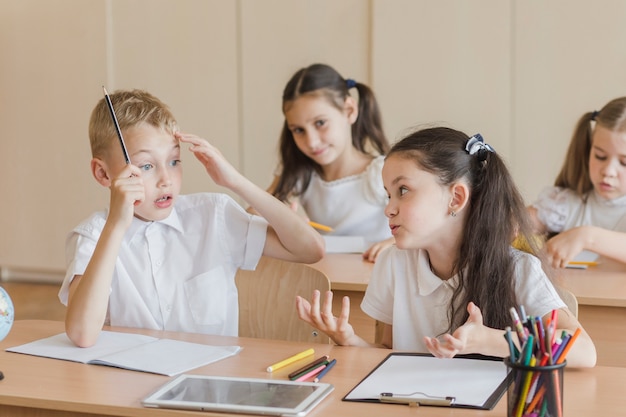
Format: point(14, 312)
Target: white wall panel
point(278, 38)
point(53, 64)
point(570, 58)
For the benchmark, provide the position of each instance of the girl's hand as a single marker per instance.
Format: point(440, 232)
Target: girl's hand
point(127, 190)
point(337, 328)
point(562, 248)
point(372, 253)
point(220, 170)
point(461, 341)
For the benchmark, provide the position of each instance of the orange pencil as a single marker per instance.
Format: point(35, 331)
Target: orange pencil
point(322, 227)
point(568, 346)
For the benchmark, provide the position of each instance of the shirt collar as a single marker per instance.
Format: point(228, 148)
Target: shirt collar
point(616, 202)
point(427, 281)
point(140, 226)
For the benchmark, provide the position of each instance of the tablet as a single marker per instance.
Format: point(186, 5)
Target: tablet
point(239, 395)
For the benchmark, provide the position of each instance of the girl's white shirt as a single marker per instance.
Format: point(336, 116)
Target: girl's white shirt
point(404, 292)
point(352, 206)
point(561, 209)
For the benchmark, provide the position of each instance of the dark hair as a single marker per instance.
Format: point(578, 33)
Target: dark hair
point(496, 214)
point(575, 170)
point(326, 82)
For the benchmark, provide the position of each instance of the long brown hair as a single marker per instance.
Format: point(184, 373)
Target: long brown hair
point(326, 82)
point(575, 170)
point(496, 213)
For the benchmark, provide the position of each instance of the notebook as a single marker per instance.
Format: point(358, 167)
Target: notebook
point(131, 351)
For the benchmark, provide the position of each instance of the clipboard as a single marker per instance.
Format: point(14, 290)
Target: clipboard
point(418, 379)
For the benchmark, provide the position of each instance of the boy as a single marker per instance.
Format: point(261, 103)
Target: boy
point(157, 259)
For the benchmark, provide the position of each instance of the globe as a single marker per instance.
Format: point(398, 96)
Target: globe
point(7, 313)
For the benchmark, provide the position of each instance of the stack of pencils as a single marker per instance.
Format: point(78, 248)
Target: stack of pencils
point(537, 368)
point(314, 370)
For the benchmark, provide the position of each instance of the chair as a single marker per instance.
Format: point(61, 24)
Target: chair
point(267, 300)
point(569, 299)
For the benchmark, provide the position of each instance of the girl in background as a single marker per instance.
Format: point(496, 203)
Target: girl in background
point(448, 284)
point(586, 207)
point(331, 155)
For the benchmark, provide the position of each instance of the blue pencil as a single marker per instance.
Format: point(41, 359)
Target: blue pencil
point(325, 370)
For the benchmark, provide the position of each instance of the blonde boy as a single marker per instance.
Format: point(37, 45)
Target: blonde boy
point(157, 259)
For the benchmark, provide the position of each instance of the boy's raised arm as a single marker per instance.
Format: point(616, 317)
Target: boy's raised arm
point(289, 237)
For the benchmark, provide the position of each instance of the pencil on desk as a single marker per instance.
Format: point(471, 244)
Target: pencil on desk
point(309, 366)
point(584, 263)
point(311, 374)
point(321, 227)
point(325, 370)
point(290, 360)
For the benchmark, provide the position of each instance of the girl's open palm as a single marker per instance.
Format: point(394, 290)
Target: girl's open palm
point(450, 345)
point(320, 316)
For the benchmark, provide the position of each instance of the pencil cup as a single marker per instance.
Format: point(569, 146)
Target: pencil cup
point(535, 391)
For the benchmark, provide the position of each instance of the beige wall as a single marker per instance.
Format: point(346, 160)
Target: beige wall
point(519, 72)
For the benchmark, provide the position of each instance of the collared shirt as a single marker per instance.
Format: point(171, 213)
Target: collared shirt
point(352, 206)
point(404, 292)
point(179, 273)
point(561, 209)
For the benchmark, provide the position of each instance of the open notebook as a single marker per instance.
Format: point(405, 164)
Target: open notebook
point(426, 380)
point(135, 352)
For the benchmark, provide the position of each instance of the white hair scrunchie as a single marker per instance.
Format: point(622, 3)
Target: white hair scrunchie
point(476, 146)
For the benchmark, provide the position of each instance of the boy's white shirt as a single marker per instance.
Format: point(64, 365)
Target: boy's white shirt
point(179, 273)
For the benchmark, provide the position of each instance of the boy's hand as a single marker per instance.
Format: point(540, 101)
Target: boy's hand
point(220, 170)
point(126, 190)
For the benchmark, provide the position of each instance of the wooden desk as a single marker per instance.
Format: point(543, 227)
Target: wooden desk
point(35, 386)
point(346, 271)
point(602, 285)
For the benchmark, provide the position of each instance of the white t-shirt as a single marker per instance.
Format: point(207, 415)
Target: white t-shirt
point(179, 273)
point(352, 206)
point(405, 293)
point(561, 209)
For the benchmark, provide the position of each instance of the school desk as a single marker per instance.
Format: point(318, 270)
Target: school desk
point(600, 291)
point(36, 386)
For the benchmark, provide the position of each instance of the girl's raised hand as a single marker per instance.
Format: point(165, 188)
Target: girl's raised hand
point(321, 317)
point(450, 345)
point(220, 170)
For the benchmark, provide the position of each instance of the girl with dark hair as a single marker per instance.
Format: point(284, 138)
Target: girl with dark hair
point(448, 284)
point(331, 155)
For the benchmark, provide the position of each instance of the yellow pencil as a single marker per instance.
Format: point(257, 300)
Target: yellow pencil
point(321, 227)
point(290, 360)
point(587, 263)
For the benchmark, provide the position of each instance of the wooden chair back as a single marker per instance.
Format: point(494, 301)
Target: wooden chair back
point(267, 300)
point(569, 299)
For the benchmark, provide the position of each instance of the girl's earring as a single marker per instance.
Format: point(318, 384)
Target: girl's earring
point(452, 213)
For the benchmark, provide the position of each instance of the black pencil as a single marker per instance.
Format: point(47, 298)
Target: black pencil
point(117, 126)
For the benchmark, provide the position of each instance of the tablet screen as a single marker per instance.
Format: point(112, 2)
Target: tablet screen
point(239, 395)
